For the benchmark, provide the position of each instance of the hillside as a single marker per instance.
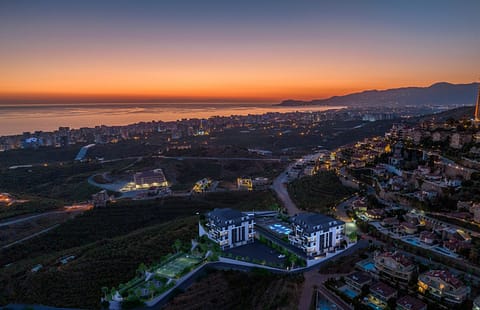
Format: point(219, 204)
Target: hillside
point(439, 94)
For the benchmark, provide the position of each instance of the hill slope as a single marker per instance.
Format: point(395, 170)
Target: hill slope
point(442, 94)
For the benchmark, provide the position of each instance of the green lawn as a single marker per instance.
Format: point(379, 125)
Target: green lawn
point(176, 267)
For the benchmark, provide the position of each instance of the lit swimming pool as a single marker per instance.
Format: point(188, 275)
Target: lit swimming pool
point(373, 306)
point(280, 229)
point(324, 304)
point(412, 241)
point(444, 251)
point(367, 265)
point(349, 292)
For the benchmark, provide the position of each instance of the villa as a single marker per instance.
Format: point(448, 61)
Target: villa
point(394, 266)
point(228, 228)
point(316, 234)
point(410, 303)
point(380, 293)
point(357, 280)
point(443, 285)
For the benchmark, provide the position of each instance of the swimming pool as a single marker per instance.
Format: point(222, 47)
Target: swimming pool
point(349, 292)
point(445, 251)
point(280, 229)
point(367, 265)
point(412, 241)
point(324, 304)
point(373, 306)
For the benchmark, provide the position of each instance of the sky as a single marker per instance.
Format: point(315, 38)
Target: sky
point(231, 50)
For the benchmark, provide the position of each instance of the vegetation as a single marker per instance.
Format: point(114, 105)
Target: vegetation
point(34, 204)
point(318, 193)
point(109, 244)
point(238, 290)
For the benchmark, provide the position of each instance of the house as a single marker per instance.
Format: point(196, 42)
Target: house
point(228, 228)
point(375, 214)
point(441, 284)
point(100, 199)
point(408, 227)
point(394, 266)
point(380, 293)
point(408, 302)
point(316, 234)
point(389, 222)
point(428, 237)
point(358, 279)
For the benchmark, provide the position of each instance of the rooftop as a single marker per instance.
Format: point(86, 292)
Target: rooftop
point(222, 216)
point(412, 303)
point(398, 257)
point(314, 221)
point(382, 289)
point(445, 276)
point(359, 277)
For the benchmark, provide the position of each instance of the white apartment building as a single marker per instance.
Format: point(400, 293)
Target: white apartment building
point(229, 228)
point(316, 234)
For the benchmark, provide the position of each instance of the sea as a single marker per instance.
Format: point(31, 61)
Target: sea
point(16, 119)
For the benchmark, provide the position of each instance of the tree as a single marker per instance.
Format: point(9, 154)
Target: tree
point(177, 245)
point(105, 292)
point(141, 269)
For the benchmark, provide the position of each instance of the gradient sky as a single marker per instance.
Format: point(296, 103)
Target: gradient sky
point(231, 50)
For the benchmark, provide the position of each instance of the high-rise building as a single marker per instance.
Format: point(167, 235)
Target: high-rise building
point(477, 106)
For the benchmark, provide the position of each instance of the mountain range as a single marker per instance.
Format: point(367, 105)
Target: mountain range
point(439, 94)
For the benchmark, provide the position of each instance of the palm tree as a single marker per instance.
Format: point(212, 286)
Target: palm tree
point(105, 292)
point(177, 245)
point(141, 269)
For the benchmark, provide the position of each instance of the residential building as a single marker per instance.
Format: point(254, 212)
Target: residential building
point(316, 234)
point(100, 199)
point(408, 302)
point(380, 293)
point(394, 266)
point(152, 178)
point(229, 228)
point(441, 284)
point(358, 279)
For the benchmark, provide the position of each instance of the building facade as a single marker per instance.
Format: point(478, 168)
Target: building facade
point(228, 228)
point(394, 266)
point(443, 285)
point(316, 234)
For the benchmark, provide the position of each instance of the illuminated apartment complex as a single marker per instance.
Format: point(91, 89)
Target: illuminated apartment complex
point(443, 285)
point(150, 178)
point(228, 228)
point(394, 266)
point(316, 234)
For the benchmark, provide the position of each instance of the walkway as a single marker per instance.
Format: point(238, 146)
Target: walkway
point(280, 188)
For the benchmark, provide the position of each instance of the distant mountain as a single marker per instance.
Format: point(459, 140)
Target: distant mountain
point(439, 94)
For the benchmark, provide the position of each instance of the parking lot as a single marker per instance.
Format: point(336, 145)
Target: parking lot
point(258, 251)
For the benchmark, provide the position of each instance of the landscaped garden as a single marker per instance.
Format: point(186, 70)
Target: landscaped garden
point(152, 282)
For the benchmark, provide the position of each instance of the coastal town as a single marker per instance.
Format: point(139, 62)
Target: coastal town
point(413, 214)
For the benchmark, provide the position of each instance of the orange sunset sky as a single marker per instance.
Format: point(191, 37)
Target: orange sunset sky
point(107, 51)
